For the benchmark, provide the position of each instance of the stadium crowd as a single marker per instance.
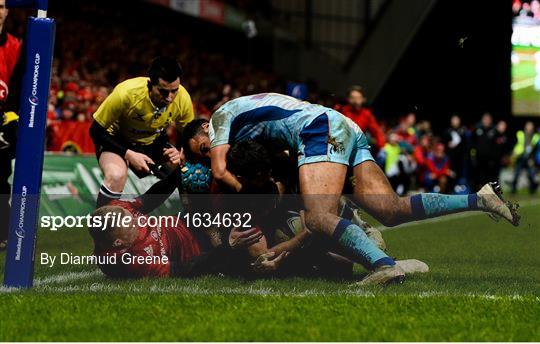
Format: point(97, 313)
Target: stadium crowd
point(455, 160)
point(526, 8)
point(412, 155)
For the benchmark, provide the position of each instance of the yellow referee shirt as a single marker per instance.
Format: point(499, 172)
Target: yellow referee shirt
point(128, 112)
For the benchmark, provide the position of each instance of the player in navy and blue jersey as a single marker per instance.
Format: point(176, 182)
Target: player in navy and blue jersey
point(286, 122)
point(327, 144)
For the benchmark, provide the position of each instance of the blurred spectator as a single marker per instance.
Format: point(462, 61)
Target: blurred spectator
point(503, 145)
point(527, 140)
point(535, 9)
point(439, 176)
point(362, 116)
point(406, 130)
point(200, 110)
point(399, 165)
point(455, 138)
point(525, 10)
point(68, 111)
point(516, 7)
point(537, 154)
point(421, 153)
point(423, 128)
point(227, 93)
point(484, 158)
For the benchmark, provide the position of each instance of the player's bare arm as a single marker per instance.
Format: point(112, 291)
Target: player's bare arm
point(218, 156)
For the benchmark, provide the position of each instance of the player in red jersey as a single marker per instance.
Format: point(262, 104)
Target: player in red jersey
point(165, 250)
point(10, 49)
point(170, 245)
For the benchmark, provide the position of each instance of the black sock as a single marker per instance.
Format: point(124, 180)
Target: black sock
point(105, 196)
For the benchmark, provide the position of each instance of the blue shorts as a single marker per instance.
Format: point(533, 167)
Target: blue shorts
point(332, 137)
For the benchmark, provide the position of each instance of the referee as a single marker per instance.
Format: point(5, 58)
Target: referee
point(129, 128)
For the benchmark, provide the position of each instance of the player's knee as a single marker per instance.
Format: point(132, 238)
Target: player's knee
point(115, 179)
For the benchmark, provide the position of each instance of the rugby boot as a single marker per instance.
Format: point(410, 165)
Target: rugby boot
point(412, 266)
point(491, 201)
point(383, 275)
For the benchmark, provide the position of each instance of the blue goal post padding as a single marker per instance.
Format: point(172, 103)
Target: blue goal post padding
point(30, 152)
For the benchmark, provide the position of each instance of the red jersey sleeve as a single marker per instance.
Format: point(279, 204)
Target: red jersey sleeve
point(9, 55)
point(419, 156)
point(374, 129)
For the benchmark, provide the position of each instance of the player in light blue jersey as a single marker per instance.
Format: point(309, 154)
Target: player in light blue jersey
point(327, 144)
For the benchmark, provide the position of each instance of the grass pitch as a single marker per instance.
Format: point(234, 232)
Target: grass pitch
point(484, 285)
point(525, 98)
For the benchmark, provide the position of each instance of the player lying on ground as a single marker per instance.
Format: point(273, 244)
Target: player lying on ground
point(272, 213)
point(185, 256)
point(327, 144)
point(129, 128)
point(185, 253)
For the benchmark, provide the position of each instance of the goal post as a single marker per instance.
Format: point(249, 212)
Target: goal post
point(39, 45)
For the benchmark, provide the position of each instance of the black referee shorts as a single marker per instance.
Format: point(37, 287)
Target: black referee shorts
point(154, 151)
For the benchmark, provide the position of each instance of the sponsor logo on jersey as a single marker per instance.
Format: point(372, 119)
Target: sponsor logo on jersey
point(149, 250)
point(336, 146)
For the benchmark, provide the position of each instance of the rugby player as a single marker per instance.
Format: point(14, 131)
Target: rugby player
point(161, 251)
point(166, 250)
point(129, 128)
point(317, 256)
point(10, 75)
point(326, 144)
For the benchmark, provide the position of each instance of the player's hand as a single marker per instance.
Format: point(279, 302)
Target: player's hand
point(139, 161)
point(182, 157)
point(268, 262)
point(172, 154)
point(243, 239)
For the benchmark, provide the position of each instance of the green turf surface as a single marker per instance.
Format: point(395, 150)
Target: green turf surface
point(484, 285)
point(525, 99)
point(248, 317)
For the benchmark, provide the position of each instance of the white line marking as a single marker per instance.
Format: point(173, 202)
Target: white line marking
point(43, 283)
point(196, 290)
point(66, 277)
point(4, 289)
point(60, 278)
